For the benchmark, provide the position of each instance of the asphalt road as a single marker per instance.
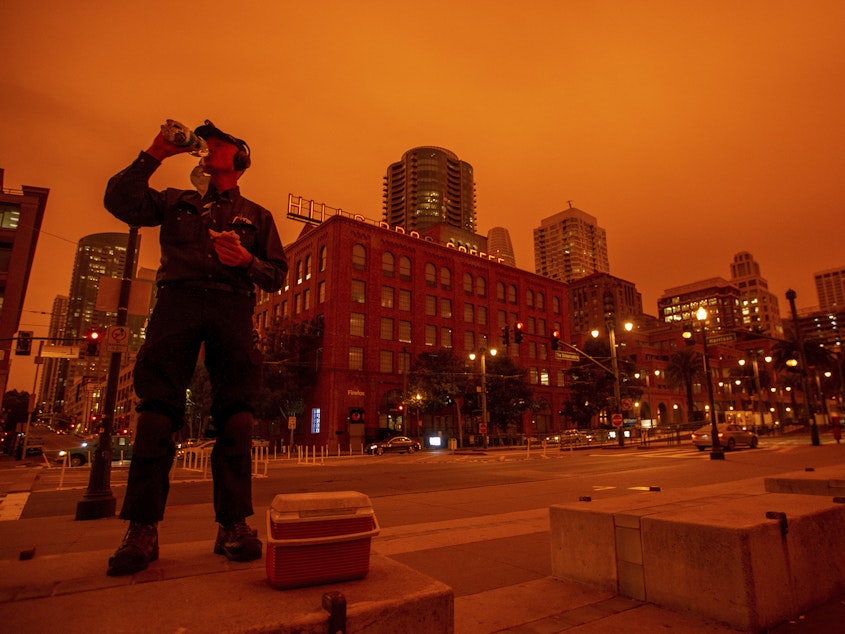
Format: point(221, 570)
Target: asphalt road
point(488, 483)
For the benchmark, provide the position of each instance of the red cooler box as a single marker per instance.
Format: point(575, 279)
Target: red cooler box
point(318, 538)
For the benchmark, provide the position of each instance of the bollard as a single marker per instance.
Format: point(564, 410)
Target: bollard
point(781, 517)
point(335, 604)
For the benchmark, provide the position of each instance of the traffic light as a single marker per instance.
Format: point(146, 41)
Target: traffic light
point(688, 333)
point(506, 335)
point(555, 339)
point(24, 343)
point(92, 343)
point(517, 332)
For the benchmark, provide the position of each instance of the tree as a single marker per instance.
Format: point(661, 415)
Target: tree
point(591, 386)
point(508, 392)
point(15, 408)
point(291, 352)
point(684, 368)
point(439, 379)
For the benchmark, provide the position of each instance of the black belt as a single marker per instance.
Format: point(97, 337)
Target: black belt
point(206, 286)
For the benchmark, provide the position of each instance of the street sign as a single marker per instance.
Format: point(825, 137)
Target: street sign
point(712, 341)
point(562, 355)
point(627, 404)
point(616, 419)
point(60, 352)
point(291, 422)
point(482, 428)
point(117, 339)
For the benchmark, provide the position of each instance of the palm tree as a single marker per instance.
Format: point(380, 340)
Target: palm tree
point(683, 369)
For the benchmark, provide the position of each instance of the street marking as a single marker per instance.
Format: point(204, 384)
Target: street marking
point(11, 506)
point(602, 488)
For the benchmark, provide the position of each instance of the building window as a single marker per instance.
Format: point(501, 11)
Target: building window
point(405, 331)
point(356, 358)
point(480, 286)
point(481, 315)
point(388, 264)
point(297, 304)
point(307, 267)
point(446, 308)
point(299, 271)
point(404, 300)
point(446, 279)
point(469, 341)
point(469, 313)
point(387, 328)
point(561, 378)
point(541, 301)
point(529, 298)
point(430, 335)
point(324, 254)
point(532, 349)
point(533, 376)
point(359, 257)
point(541, 327)
point(445, 337)
point(556, 305)
point(468, 286)
point(404, 362)
point(512, 294)
point(405, 268)
point(306, 299)
point(321, 292)
point(430, 305)
point(430, 275)
point(544, 376)
point(502, 316)
point(500, 291)
point(387, 297)
point(385, 361)
point(356, 324)
point(359, 291)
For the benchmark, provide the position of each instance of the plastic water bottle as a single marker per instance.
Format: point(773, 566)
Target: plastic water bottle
point(181, 135)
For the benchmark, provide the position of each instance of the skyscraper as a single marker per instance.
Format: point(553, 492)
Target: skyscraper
point(50, 377)
point(830, 287)
point(759, 306)
point(97, 255)
point(570, 245)
point(499, 244)
point(429, 186)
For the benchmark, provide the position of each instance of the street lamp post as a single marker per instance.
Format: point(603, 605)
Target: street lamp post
point(757, 387)
point(483, 358)
point(799, 339)
point(716, 453)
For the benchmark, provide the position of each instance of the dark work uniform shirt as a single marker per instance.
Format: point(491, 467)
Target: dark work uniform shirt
point(187, 251)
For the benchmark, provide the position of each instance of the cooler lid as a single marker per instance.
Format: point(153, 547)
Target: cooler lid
point(320, 503)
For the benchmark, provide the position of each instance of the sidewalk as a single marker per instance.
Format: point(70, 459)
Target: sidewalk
point(497, 566)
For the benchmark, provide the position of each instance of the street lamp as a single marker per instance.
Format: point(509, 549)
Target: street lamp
point(716, 453)
point(483, 356)
point(814, 429)
point(757, 386)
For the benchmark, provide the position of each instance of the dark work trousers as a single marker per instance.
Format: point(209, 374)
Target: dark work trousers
point(184, 319)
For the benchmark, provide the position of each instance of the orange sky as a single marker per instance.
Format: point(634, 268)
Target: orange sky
point(691, 130)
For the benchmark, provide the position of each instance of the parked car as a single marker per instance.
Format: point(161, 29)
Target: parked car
point(82, 452)
point(397, 443)
point(569, 437)
point(731, 436)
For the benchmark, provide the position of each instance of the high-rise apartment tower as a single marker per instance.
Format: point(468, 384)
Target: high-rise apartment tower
point(570, 245)
point(429, 186)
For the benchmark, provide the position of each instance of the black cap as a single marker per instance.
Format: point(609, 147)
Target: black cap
point(210, 131)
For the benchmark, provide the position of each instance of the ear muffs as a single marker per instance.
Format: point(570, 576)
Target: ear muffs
point(242, 159)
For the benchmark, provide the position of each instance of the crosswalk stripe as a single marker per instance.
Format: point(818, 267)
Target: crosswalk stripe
point(12, 505)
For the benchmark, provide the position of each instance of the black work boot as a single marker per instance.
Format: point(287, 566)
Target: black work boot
point(139, 548)
point(238, 542)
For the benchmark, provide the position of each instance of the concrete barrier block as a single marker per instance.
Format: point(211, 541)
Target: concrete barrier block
point(827, 481)
point(728, 562)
